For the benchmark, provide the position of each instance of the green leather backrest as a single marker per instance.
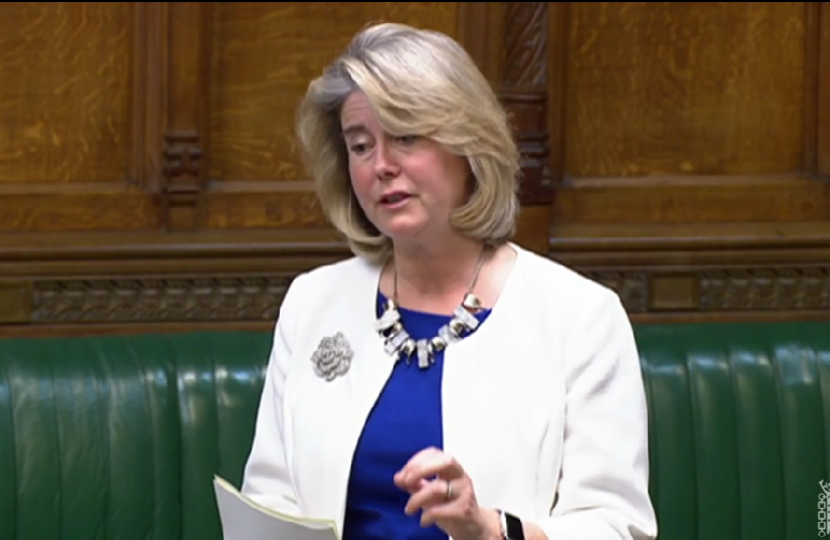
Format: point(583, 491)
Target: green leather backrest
point(739, 425)
point(220, 377)
point(118, 437)
point(89, 439)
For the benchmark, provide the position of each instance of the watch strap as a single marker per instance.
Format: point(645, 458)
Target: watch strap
point(511, 526)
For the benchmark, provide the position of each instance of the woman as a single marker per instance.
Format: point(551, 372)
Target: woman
point(444, 381)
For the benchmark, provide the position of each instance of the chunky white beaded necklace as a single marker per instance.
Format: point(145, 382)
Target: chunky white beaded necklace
point(400, 345)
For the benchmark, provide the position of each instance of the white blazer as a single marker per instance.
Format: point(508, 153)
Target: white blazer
point(543, 405)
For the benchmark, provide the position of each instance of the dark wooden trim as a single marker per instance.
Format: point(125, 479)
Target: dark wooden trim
point(811, 83)
point(688, 272)
point(741, 299)
point(524, 93)
point(186, 134)
point(527, 70)
point(717, 290)
point(817, 90)
point(621, 244)
point(149, 80)
point(558, 23)
point(135, 253)
point(127, 329)
point(823, 93)
point(660, 201)
point(78, 330)
point(15, 301)
point(97, 248)
point(477, 23)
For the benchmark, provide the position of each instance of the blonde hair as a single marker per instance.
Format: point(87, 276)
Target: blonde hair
point(419, 82)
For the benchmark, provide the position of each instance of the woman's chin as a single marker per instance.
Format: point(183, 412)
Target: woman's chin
point(403, 227)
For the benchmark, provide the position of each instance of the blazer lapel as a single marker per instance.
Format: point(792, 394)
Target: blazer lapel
point(328, 416)
point(364, 386)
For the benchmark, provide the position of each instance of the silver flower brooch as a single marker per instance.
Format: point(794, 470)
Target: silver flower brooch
point(333, 357)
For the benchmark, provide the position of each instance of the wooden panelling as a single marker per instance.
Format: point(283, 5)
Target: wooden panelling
point(262, 205)
point(678, 152)
point(66, 90)
point(817, 86)
point(263, 57)
point(186, 66)
point(693, 199)
point(696, 142)
point(693, 113)
point(478, 23)
point(820, 13)
point(527, 68)
point(685, 88)
point(15, 302)
point(72, 107)
point(685, 273)
point(524, 93)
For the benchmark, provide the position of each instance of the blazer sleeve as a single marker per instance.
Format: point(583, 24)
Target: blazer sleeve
point(267, 479)
point(603, 489)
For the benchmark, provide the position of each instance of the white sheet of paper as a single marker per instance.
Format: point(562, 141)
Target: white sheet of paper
point(244, 519)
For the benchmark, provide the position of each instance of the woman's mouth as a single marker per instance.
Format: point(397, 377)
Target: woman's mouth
point(394, 199)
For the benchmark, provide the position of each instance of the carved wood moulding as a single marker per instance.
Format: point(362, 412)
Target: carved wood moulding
point(524, 94)
point(176, 299)
point(526, 66)
point(720, 290)
point(185, 137)
point(257, 298)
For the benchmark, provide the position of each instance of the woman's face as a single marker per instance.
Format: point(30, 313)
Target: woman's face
point(407, 186)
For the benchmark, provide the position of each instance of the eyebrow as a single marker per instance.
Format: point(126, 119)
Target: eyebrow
point(355, 129)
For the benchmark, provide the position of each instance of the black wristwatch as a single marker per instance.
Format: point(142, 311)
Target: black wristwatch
point(511, 527)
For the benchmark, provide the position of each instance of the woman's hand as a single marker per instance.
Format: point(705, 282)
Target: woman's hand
point(443, 491)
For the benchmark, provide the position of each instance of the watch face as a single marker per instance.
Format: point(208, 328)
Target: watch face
point(514, 531)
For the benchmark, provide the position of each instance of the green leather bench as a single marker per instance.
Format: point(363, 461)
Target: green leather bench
point(117, 437)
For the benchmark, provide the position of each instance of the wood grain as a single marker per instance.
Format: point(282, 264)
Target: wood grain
point(818, 117)
point(688, 145)
point(115, 209)
point(77, 113)
point(478, 22)
point(557, 66)
point(524, 93)
point(739, 288)
point(685, 88)
point(262, 205)
point(65, 94)
point(264, 55)
point(727, 200)
point(186, 130)
point(678, 273)
point(151, 48)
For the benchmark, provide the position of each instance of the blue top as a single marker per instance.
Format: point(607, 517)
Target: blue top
point(405, 420)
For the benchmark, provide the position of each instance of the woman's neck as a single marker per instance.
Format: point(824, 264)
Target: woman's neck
point(436, 270)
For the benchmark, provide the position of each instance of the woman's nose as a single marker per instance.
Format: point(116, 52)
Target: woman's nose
point(385, 164)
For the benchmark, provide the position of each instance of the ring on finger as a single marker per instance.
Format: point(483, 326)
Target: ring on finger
point(448, 495)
